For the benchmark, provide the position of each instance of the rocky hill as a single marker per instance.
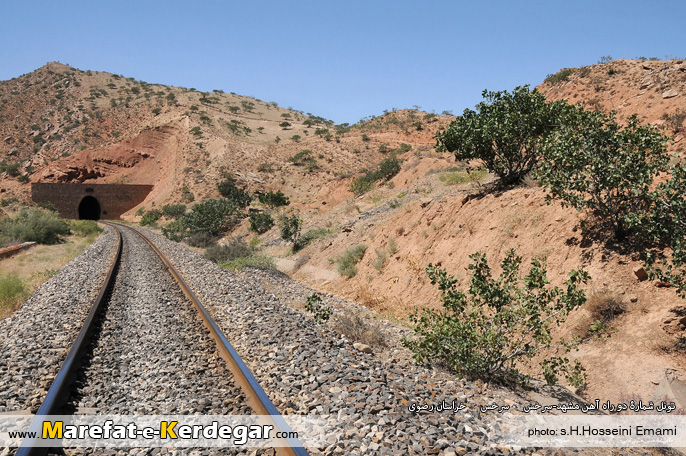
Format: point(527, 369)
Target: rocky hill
point(60, 124)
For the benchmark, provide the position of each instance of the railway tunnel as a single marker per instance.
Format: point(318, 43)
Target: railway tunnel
point(90, 201)
point(89, 208)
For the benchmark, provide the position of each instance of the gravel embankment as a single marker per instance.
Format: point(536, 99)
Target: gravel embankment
point(311, 370)
point(35, 339)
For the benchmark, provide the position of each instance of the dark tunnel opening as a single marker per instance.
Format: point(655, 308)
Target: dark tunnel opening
point(89, 209)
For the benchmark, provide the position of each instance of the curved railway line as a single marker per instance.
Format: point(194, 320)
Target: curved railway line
point(141, 351)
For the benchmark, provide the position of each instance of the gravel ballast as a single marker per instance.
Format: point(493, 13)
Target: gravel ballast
point(36, 338)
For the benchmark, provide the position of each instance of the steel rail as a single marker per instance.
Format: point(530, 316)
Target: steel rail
point(54, 397)
point(257, 398)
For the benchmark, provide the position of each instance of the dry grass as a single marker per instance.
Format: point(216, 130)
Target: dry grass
point(356, 328)
point(39, 263)
point(605, 305)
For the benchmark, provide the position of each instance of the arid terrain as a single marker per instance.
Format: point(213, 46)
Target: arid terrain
point(61, 124)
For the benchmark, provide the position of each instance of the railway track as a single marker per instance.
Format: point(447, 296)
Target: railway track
point(142, 350)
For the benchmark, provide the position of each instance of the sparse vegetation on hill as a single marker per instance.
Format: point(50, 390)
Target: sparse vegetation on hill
point(385, 171)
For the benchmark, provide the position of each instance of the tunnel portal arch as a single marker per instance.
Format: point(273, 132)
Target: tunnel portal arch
point(89, 208)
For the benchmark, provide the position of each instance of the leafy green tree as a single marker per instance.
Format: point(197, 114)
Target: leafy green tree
point(665, 226)
point(505, 132)
point(284, 125)
point(593, 163)
point(498, 324)
point(214, 216)
point(228, 189)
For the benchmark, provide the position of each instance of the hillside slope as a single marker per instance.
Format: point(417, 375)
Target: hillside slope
point(425, 215)
point(60, 124)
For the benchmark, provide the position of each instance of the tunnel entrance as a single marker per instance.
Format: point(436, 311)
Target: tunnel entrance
point(89, 209)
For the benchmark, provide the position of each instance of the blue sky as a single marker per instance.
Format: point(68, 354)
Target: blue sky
point(340, 60)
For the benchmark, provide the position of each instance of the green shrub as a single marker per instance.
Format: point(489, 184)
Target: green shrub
point(34, 225)
point(346, 262)
point(11, 169)
point(48, 206)
point(273, 199)
point(498, 324)
point(261, 222)
point(463, 176)
point(560, 76)
point(229, 190)
point(214, 216)
point(253, 261)
point(235, 248)
point(140, 211)
point(150, 218)
point(304, 158)
point(85, 228)
point(12, 291)
point(308, 237)
point(201, 239)
point(174, 211)
point(237, 255)
point(175, 231)
point(361, 185)
point(319, 312)
point(291, 227)
point(4, 202)
point(380, 261)
point(186, 195)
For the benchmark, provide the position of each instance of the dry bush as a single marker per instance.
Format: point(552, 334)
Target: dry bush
point(605, 305)
point(355, 327)
point(368, 298)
